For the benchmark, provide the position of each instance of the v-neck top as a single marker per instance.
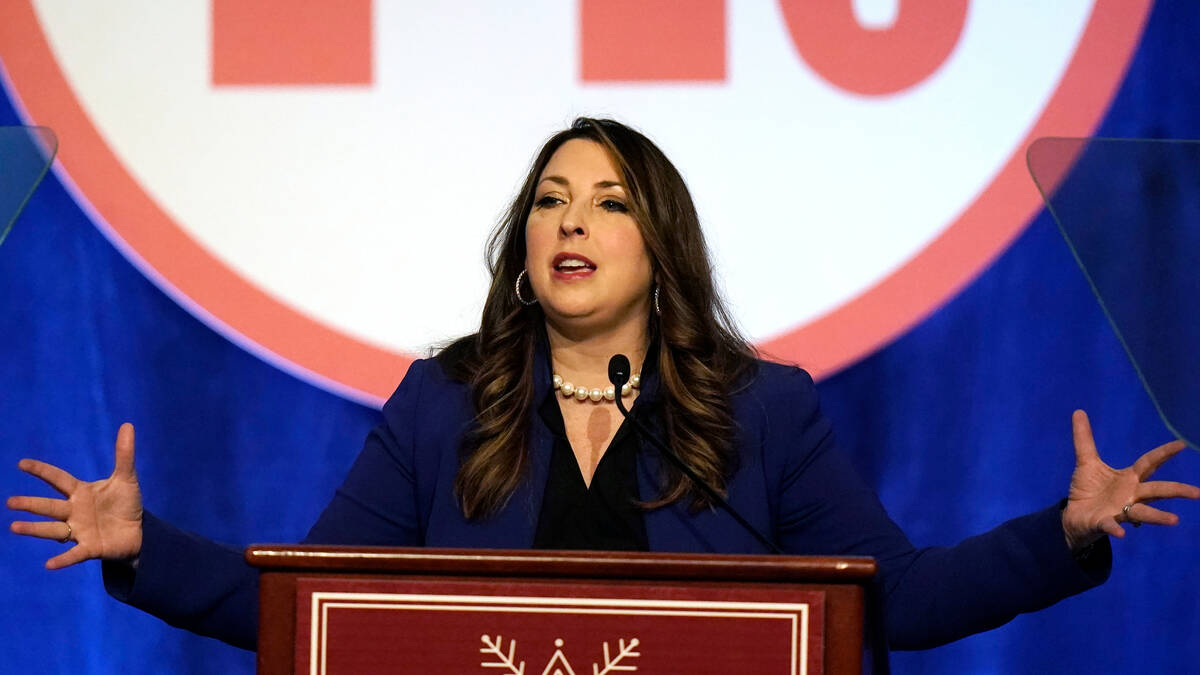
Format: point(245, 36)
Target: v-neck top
point(606, 516)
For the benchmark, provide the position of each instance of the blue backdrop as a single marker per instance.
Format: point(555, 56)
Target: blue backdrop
point(960, 424)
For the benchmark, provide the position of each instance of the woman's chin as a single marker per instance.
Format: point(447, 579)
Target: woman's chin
point(573, 312)
point(591, 320)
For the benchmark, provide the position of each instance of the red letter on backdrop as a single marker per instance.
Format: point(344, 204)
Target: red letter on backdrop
point(652, 40)
point(257, 42)
point(874, 62)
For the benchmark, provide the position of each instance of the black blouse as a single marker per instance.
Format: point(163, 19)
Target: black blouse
point(604, 517)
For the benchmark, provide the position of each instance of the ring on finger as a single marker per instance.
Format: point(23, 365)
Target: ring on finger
point(1128, 518)
point(68, 535)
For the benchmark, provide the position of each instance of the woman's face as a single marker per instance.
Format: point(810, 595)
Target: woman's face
point(585, 255)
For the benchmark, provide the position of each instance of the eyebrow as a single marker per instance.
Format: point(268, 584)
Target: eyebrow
point(564, 182)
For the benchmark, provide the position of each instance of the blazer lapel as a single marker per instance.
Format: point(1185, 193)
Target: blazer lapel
point(668, 528)
point(516, 524)
point(674, 528)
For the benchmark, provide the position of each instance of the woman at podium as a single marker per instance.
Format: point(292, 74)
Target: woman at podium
point(512, 437)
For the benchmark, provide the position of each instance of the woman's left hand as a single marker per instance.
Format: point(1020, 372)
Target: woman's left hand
point(1101, 497)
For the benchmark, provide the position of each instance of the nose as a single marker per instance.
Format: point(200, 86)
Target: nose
point(573, 223)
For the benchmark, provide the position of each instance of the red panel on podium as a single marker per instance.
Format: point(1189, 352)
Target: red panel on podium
point(440, 626)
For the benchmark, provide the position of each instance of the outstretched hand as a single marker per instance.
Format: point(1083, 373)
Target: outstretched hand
point(1101, 497)
point(103, 517)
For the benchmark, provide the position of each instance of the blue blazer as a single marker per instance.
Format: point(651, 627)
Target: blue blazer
point(792, 483)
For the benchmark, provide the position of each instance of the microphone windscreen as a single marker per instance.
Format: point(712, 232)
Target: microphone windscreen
point(618, 370)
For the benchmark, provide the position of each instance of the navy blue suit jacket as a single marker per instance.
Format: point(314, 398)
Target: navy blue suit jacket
point(792, 483)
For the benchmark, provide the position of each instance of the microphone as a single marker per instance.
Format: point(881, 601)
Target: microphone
point(618, 374)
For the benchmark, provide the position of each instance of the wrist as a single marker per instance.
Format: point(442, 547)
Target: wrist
point(1077, 539)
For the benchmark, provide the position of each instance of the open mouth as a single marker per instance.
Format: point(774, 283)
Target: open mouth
point(573, 264)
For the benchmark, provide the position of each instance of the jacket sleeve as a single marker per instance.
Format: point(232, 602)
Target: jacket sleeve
point(205, 587)
point(190, 582)
point(929, 596)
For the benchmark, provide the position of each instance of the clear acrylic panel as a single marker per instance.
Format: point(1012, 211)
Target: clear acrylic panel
point(1130, 211)
point(25, 156)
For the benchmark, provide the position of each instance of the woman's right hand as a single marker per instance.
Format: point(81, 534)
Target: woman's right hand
point(104, 517)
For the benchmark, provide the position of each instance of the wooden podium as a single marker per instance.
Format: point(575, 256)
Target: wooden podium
point(398, 610)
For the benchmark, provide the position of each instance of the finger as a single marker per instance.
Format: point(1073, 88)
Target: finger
point(74, 555)
point(1085, 445)
point(1148, 463)
point(58, 509)
point(58, 479)
point(1110, 527)
point(1140, 513)
point(1166, 489)
point(42, 529)
point(123, 464)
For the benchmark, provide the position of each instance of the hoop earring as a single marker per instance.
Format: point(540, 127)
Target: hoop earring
point(523, 301)
point(657, 309)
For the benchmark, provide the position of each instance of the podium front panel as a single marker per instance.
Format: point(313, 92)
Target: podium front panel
point(424, 625)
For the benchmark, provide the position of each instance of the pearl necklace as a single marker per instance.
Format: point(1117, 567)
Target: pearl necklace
point(609, 393)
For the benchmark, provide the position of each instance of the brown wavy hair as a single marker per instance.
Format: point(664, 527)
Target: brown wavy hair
point(701, 355)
